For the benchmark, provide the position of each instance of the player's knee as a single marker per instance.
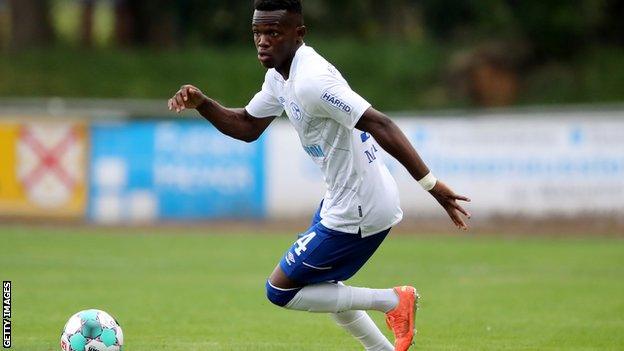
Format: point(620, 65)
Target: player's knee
point(279, 297)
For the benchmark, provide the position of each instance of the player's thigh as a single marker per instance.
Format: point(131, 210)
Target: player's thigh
point(292, 264)
point(343, 256)
point(279, 279)
point(321, 254)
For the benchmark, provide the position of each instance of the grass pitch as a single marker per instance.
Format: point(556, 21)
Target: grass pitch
point(180, 289)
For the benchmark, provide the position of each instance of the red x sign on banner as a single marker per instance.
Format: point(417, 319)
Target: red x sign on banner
point(49, 158)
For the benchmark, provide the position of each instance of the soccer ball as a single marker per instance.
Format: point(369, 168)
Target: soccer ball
point(92, 330)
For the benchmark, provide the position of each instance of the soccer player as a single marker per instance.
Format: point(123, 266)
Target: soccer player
point(341, 132)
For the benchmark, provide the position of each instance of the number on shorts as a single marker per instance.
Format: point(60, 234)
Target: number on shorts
point(303, 241)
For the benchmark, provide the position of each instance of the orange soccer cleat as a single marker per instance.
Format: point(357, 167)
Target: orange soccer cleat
point(401, 319)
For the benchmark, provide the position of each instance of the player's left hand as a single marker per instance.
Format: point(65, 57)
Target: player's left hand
point(448, 199)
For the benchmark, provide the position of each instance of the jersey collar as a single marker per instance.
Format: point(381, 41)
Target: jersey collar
point(293, 65)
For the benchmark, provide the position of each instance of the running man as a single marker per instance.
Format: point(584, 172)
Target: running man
point(340, 131)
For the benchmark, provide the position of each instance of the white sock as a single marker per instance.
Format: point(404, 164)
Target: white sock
point(361, 326)
point(328, 297)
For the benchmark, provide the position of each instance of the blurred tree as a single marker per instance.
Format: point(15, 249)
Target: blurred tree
point(30, 23)
point(557, 28)
point(145, 22)
point(215, 21)
point(86, 23)
point(443, 17)
point(486, 74)
point(397, 18)
point(612, 27)
point(553, 29)
point(346, 18)
point(3, 21)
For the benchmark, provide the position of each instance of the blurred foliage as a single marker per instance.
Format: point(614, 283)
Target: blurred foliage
point(400, 77)
point(554, 28)
point(402, 54)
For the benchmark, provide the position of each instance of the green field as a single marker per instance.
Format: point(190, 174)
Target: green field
point(199, 289)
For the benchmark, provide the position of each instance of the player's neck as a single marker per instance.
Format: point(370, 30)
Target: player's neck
point(284, 69)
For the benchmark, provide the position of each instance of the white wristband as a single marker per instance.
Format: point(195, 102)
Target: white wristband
point(428, 182)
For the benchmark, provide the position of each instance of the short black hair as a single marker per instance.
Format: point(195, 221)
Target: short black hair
point(293, 6)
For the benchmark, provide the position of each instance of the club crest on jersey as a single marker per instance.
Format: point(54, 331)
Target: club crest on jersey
point(296, 111)
point(335, 101)
point(332, 69)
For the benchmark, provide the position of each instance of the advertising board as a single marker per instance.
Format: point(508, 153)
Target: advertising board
point(533, 164)
point(142, 171)
point(43, 168)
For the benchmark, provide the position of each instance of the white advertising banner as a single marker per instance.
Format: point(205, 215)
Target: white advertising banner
point(534, 164)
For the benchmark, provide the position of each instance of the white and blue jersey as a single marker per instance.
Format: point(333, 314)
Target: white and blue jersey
point(361, 197)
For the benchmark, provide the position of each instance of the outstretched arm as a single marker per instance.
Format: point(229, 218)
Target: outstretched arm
point(236, 123)
point(392, 139)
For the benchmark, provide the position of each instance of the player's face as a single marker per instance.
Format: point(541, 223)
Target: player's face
point(276, 36)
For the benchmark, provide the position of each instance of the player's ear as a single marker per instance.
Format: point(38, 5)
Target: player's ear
point(301, 32)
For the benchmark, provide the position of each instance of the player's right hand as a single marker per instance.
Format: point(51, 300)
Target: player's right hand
point(187, 97)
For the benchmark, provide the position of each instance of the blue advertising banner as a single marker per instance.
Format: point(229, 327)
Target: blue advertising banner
point(143, 171)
